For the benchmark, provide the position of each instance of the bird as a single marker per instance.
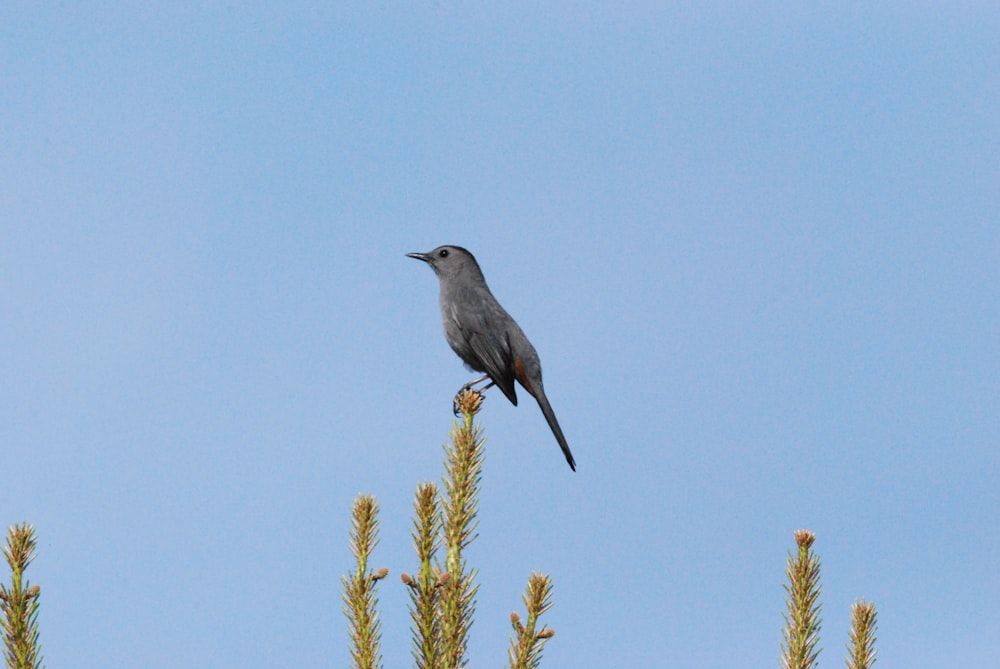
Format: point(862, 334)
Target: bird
point(485, 336)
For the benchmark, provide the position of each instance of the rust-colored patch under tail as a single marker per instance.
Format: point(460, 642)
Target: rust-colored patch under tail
point(522, 377)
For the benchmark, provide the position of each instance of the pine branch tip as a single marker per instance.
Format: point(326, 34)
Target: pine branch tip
point(804, 538)
point(468, 402)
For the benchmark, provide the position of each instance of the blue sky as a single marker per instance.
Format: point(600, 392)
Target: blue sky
point(756, 246)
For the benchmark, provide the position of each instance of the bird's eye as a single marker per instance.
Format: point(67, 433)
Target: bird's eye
point(443, 253)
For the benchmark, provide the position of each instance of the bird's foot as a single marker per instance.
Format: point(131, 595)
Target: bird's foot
point(467, 401)
point(456, 404)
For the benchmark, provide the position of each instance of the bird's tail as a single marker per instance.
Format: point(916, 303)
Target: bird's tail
point(550, 416)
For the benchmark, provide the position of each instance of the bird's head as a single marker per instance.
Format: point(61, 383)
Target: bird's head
point(448, 261)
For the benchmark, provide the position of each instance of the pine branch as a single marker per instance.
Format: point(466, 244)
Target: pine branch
point(526, 644)
point(360, 598)
point(864, 625)
point(802, 621)
point(463, 473)
point(426, 588)
point(19, 603)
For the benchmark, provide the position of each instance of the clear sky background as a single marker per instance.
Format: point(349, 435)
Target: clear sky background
point(756, 246)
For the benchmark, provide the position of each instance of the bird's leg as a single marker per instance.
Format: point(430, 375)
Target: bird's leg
point(469, 386)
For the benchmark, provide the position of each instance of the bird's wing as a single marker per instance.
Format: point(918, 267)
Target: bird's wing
point(493, 352)
point(497, 360)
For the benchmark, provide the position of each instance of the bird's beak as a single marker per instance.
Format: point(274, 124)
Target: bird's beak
point(419, 256)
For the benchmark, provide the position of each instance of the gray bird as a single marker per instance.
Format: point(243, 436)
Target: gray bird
point(484, 335)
